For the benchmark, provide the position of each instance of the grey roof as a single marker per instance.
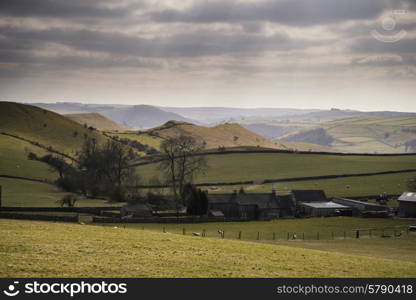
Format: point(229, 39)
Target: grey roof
point(261, 200)
point(408, 197)
point(309, 195)
point(358, 202)
point(216, 213)
point(328, 204)
point(220, 198)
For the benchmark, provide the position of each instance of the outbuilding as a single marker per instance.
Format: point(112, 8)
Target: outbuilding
point(323, 209)
point(407, 205)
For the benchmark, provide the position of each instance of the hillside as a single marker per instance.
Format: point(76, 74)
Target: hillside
point(97, 121)
point(45, 127)
point(223, 135)
point(141, 116)
point(362, 134)
point(118, 252)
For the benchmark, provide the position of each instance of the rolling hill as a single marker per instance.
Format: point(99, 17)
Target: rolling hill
point(142, 116)
point(44, 127)
point(362, 134)
point(97, 121)
point(225, 135)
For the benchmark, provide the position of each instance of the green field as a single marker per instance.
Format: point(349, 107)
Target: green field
point(41, 249)
point(14, 161)
point(35, 194)
point(281, 227)
point(261, 166)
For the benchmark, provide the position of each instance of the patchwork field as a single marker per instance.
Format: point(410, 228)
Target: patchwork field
point(41, 249)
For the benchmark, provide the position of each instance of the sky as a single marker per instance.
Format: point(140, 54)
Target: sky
point(348, 54)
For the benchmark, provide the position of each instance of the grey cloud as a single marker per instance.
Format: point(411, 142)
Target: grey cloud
point(373, 46)
point(201, 43)
point(64, 8)
point(300, 12)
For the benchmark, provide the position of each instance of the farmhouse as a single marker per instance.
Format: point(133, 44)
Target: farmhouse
point(256, 206)
point(407, 205)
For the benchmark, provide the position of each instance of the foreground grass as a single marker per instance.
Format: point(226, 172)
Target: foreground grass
point(402, 248)
point(44, 249)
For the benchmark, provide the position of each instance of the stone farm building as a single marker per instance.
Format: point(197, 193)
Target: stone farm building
point(407, 205)
point(253, 206)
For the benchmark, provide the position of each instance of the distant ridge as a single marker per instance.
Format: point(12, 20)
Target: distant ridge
point(97, 121)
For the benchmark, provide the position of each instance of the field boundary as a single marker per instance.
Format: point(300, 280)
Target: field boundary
point(266, 151)
point(25, 178)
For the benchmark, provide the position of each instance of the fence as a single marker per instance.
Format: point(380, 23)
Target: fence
point(386, 232)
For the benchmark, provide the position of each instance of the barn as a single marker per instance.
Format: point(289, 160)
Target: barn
point(363, 209)
point(323, 209)
point(407, 205)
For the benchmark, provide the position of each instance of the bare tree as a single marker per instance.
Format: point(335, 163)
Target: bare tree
point(182, 163)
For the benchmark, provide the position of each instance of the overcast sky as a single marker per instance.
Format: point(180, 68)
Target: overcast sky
point(357, 54)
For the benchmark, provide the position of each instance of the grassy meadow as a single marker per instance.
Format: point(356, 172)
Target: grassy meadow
point(261, 166)
point(42, 249)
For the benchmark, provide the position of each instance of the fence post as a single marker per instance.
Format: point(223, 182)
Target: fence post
point(288, 236)
point(274, 236)
point(303, 236)
point(183, 231)
point(239, 235)
point(258, 235)
point(164, 229)
point(357, 234)
point(223, 234)
point(203, 232)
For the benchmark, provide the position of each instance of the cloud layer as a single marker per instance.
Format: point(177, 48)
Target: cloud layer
point(174, 52)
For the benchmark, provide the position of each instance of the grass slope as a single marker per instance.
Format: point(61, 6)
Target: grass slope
point(45, 127)
point(261, 166)
point(37, 249)
point(14, 161)
point(97, 121)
